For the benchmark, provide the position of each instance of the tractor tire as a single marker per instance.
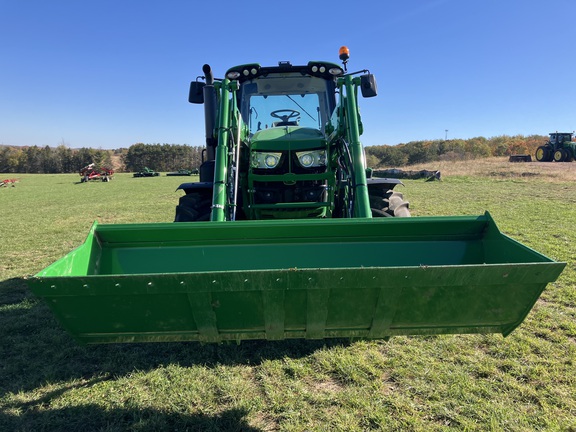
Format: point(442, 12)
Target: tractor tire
point(543, 154)
point(388, 204)
point(194, 207)
point(560, 155)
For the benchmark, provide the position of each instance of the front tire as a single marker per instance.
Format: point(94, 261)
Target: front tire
point(389, 204)
point(194, 207)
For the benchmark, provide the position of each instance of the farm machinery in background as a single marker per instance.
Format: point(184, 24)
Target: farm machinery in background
point(146, 172)
point(286, 235)
point(182, 172)
point(12, 182)
point(559, 148)
point(93, 172)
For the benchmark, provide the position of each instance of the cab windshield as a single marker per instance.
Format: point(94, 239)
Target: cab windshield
point(286, 100)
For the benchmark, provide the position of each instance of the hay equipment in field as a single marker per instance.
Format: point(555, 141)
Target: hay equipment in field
point(559, 148)
point(93, 172)
point(180, 172)
point(520, 158)
point(286, 236)
point(6, 182)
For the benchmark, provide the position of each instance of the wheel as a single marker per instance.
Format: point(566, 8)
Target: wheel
point(543, 154)
point(194, 207)
point(285, 114)
point(560, 155)
point(388, 204)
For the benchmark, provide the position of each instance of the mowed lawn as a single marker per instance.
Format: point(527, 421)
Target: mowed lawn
point(48, 382)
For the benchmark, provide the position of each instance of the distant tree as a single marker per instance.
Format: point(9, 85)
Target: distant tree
point(478, 147)
point(65, 157)
point(517, 146)
point(33, 161)
point(372, 161)
point(499, 145)
point(10, 159)
point(417, 153)
point(388, 156)
point(162, 157)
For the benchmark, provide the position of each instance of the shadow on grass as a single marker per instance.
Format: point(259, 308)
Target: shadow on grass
point(36, 350)
point(95, 418)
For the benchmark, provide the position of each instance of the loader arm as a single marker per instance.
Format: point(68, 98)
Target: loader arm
point(349, 106)
point(219, 194)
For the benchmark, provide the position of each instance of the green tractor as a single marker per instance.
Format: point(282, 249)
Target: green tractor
point(286, 147)
point(559, 148)
point(146, 172)
point(286, 235)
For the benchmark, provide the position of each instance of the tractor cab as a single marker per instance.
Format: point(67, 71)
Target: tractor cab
point(286, 95)
point(557, 138)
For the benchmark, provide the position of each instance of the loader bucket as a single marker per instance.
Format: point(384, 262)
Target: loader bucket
point(358, 278)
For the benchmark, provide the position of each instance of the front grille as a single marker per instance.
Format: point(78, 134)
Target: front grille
point(276, 192)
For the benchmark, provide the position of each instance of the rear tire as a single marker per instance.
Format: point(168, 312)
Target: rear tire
point(194, 207)
point(388, 204)
point(543, 154)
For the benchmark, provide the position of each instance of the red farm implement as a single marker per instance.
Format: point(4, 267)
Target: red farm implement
point(92, 172)
point(8, 182)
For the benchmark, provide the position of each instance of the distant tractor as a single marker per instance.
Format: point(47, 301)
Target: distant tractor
point(146, 172)
point(559, 148)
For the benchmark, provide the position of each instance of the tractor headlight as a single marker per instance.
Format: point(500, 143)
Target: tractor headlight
point(312, 159)
point(265, 160)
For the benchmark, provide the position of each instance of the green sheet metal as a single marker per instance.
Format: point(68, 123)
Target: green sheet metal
point(365, 278)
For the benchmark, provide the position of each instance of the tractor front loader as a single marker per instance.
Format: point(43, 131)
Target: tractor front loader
point(286, 235)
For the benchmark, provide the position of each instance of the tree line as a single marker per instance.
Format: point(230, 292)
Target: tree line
point(49, 160)
point(62, 159)
point(418, 152)
point(171, 157)
point(162, 157)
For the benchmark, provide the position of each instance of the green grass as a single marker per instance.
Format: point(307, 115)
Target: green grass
point(48, 382)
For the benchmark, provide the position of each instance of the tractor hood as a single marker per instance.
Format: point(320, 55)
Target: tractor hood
point(288, 138)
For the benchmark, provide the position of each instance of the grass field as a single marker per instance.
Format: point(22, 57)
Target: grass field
point(524, 382)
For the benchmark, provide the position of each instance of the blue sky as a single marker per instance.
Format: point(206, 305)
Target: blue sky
point(109, 74)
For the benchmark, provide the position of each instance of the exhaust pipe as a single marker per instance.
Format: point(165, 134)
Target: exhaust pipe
point(205, 93)
point(210, 109)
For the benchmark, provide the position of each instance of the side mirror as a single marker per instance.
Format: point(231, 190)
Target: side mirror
point(196, 95)
point(368, 85)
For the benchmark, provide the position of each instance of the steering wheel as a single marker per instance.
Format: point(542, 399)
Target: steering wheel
point(290, 114)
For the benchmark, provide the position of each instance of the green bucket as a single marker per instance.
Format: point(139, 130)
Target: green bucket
point(357, 278)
